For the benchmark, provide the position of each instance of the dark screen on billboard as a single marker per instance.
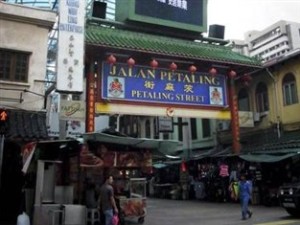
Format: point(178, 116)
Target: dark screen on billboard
point(182, 11)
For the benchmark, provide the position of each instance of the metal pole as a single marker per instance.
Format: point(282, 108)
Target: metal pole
point(1, 155)
point(62, 123)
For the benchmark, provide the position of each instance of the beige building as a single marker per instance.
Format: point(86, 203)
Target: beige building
point(271, 100)
point(23, 55)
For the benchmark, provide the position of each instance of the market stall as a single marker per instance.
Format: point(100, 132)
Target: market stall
point(51, 183)
point(129, 160)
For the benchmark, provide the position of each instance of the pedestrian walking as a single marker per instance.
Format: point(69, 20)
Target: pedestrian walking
point(107, 201)
point(245, 191)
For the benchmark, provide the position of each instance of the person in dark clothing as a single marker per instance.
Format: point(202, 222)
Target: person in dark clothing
point(107, 200)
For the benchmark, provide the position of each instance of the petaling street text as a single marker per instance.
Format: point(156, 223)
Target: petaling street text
point(164, 75)
point(149, 95)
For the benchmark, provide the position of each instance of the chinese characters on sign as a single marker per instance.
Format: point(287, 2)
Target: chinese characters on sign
point(71, 46)
point(182, 4)
point(72, 63)
point(146, 84)
point(91, 103)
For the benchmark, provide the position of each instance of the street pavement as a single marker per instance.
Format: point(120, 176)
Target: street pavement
point(195, 212)
point(179, 212)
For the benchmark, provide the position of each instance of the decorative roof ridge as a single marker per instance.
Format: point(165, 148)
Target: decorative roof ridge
point(119, 38)
point(123, 32)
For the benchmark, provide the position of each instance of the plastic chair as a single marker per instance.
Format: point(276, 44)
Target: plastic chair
point(92, 217)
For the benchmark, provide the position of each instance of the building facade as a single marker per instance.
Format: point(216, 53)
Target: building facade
point(272, 43)
point(272, 100)
point(23, 58)
point(24, 55)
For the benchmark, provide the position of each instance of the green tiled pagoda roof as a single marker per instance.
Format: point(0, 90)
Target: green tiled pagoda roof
point(134, 41)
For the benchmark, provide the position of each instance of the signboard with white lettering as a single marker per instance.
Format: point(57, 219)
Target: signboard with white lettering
point(181, 14)
point(70, 46)
point(145, 84)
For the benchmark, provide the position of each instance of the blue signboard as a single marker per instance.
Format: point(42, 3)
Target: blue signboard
point(145, 84)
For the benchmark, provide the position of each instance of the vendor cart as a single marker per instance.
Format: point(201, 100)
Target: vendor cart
point(134, 207)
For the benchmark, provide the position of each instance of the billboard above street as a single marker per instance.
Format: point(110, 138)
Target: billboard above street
point(180, 14)
point(147, 85)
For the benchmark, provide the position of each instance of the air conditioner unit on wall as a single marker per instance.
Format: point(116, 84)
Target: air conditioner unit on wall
point(223, 125)
point(256, 116)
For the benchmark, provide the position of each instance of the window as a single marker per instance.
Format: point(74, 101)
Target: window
point(289, 90)
point(193, 122)
point(180, 129)
point(147, 129)
point(180, 123)
point(14, 65)
point(206, 131)
point(243, 100)
point(261, 95)
point(166, 136)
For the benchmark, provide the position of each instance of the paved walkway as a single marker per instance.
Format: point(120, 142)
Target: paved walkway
point(178, 212)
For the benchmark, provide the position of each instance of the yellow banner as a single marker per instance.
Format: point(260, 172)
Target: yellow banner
point(115, 108)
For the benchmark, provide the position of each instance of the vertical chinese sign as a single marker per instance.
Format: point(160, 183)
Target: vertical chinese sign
point(90, 126)
point(70, 46)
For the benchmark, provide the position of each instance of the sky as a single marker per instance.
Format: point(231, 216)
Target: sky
point(240, 16)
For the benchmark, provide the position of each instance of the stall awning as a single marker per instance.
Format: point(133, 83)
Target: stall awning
point(267, 158)
point(161, 145)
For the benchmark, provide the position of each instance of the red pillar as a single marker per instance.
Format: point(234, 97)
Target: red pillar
point(235, 128)
point(90, 100)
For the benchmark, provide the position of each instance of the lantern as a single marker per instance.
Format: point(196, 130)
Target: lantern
point(192, 69)
point(154, 64)
point(246, 79)
point(173, 66)
point(183, 166)
point(130, 62)
point(111, 59)
point(232, 74)
point(213, 71)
